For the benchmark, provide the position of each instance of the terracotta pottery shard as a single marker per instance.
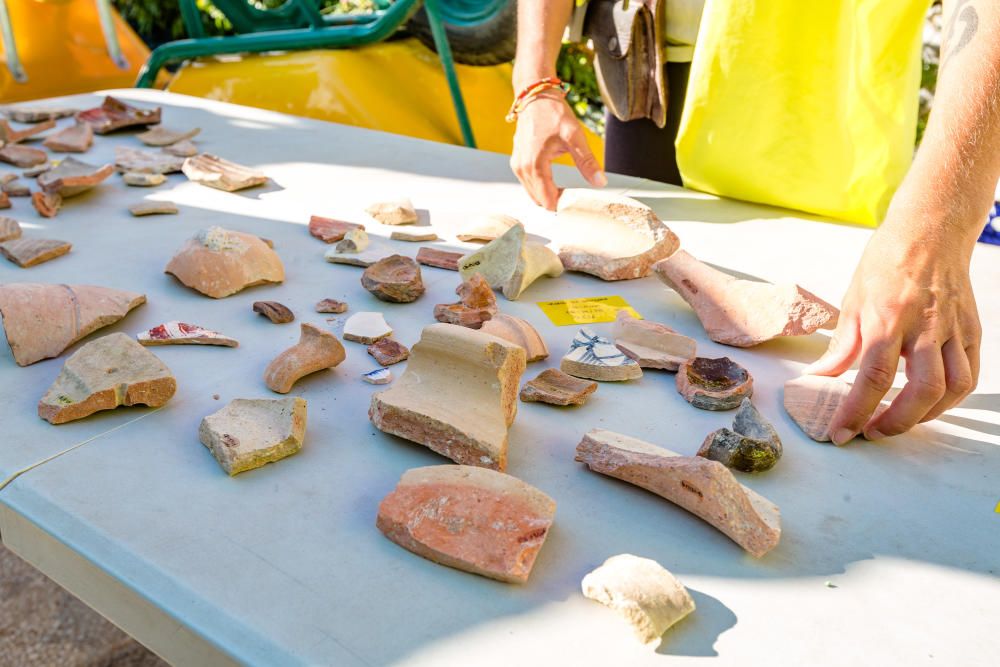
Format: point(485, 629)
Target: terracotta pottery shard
point(468, 518)
point(414, 234)
point(141, 180)
point(594, 357)
point(29, 252)
point(274, 311)
point(477, 305)
point(329, 230)
point(181, 333)
point(751, 446)
point(744, 313)
point(487, 228)
point(441, 259)
point(395, 212)
point(511, 263)
point(366, 328)
point(377, 376)
point(555, 387)
point(75, 139)
point(43, 320)
point(355, 240)
point(105, 373)
point(35, 114)
point(71, 177)
point(9, 135)
point(35, 172)
point(650, 344)
point(458, 395)
point(22, 156)
point(395, 279)
point(331, 306)
point(153, 208)
point(705, 488)
point(16, 189)
point(10, 229)
point(714, 384)
point(517, 331)
point(47, 205)
point(642, 591)
point(146, 162)
point(114, 114)
point(812, 401)
point(218, 262)
point(614, 237)
point(315, 351)
point(4, 200)
point(181, 149)
point(162, 136)
point(388, 352)
point(221, 174)
point(7, 178)
point(249, 433)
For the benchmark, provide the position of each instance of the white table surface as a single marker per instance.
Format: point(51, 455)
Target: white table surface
point(284, 566)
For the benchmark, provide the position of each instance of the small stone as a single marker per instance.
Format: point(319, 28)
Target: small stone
point(10, 229)
point(316, 350)
point(441, 259)
point(395, 212)
point(215, 397)
point(221, 174)
point(143, 180)
point(22, 156)
point(388, 352)
point(153, 208)
point(414, 234)
point(27, 252)
point(812, 401)
point(74, 139)
point(16, 189)
point(487, 228)
point(751, 446)
point(329, 230)
point(366, 328)
point(377, 376)
point(395, 279)
point(642, 591)
point(249, 433)
point(511, 263)
point(9, 135)
point(331, 306)
point(162, 136)
point(473, 519)
point(477, 304)
point(72, 177)
point(113, 114)
point(181, 333)
point(219, 262)
point(595, 358)
point(146, 162)
point(517, 331)
point(274, 311)
point(47, 205)
point(105, 373)
point(714, 384)
point(650, 344)
point(181, 149)
point(556, 388)
point(355, 240)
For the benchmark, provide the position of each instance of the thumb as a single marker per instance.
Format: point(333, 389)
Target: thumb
point(845, 345)
point(584, 158)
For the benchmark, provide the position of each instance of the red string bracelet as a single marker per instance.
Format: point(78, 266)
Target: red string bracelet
point(531, 91)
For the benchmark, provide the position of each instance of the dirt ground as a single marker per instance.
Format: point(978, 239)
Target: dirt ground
point(43, 625)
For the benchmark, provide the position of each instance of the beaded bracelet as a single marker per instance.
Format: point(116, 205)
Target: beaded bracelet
point(530, 92)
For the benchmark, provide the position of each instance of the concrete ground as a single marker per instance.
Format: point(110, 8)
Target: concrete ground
point(43, 625)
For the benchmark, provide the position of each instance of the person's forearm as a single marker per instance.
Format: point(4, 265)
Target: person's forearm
point(540, 27)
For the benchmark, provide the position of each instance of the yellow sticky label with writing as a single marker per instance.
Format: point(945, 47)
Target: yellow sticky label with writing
point(587, 310)
point(997, 510)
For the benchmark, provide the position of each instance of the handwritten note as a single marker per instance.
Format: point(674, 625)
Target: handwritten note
point(587, 310)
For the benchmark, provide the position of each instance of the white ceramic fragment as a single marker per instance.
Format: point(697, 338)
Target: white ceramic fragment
point(366, 328)
point(377, 376)
point(181, 333)
point(393, 212)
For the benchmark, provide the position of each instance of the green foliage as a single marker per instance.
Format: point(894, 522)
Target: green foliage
point(576, 67)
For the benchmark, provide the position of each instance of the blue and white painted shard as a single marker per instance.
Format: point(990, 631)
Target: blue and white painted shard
point(378, 376)
point(589, 348)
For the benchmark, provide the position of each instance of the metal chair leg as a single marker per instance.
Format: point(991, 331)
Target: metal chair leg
point(10, 46)
point(110, 36)
point(444, 52)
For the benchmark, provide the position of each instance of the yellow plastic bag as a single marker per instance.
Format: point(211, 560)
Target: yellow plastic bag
point(805, 104)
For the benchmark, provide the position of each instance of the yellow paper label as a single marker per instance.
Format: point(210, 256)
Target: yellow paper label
point(997, 510)
point(587, 310)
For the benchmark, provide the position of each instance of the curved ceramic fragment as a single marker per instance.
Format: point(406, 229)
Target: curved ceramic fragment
point(751, 446)
point(393, 212)
point(113, 114)
point(414, 234)
point(31, 113)
point(556, 388)
point(221, 174)
point(705, 488)
point(10, 229)
point(812, 401)
point(439, 259)
point(146, 162)
point(278, 313)
point(388, 351)
point(486, 228)
point(162, 136)
point(143, 180)
point(153, 208)
point(743, 313)
point(183, 148)
point(614, 237)
point(714, 384)
point(595, 358)
point(29, 252)
point(249, 433)
point(47, 205)
point(366, 328)
point(315, 351)
point(42, 320)
point(477, 304)
point(472, 519)
point(458, 395)
point(22, 156)
point(331, 306)
point(9, 135)
point(329, 230)
point(511, 263)
point(181, 333)
point(219, 262)
point(74, 139)
point(642, 591)
point(517, 331)
point(395, 279)
point(650, 344)
point(105, 373)
point(72, 177)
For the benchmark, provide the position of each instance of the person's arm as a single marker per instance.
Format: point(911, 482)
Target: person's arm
point(911, 295)
point(547, 127)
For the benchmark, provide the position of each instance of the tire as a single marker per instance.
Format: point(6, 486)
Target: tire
point(480, 33)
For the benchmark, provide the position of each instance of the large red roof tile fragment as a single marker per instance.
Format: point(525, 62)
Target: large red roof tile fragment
point(472, 519)
point(219, 262)
point(113, 114)
point(812, 401)
point(477, 304)
point(705, 488)
point(316, 350)
point(650, 344)
point(249, 433)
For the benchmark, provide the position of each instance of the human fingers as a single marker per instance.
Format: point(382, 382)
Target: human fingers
point(845, 344)
point(583, 157)
point(879, 360)
point(925, 386)
point(958, 378)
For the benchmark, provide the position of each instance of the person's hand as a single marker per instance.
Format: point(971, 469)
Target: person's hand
point(910, 297)
point(546, 129)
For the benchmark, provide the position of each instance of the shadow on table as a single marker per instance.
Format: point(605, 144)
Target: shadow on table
point(697, 634)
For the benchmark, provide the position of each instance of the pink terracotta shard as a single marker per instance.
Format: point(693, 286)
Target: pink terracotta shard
point(146, 162)
point(387, 351)
point(812, 401)
point(614, 237)
point(650, 344)
point(181, 333)
point(74, 139)
point(511, 263)
point(249, 433)
point(477, 304)
point(316, 350)
point(331, 306)
point(472, 519)
point(113, 114)
point(30, 113)
point(72, 177)
point(458, 395)
point(10, 229)
point(9, 135)
point(714, 384)
point(329, 230)
point(4, 200)
point(395, 279)
point(278, 313)
point(22, 156)
point(394, 212)
point(221, 174)
point(46, 204)
point(42, 320)
point(441, 259)
point(219, 262)
point(162, 136)
point(29, 252)
point(705, 488)
point(744, 313)
point(153, 208)
point(111, 371)
point(556, 388)
point(517, 331)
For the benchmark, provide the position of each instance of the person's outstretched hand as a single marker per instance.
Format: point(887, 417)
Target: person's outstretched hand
point(910, 297)
point(546, 129)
